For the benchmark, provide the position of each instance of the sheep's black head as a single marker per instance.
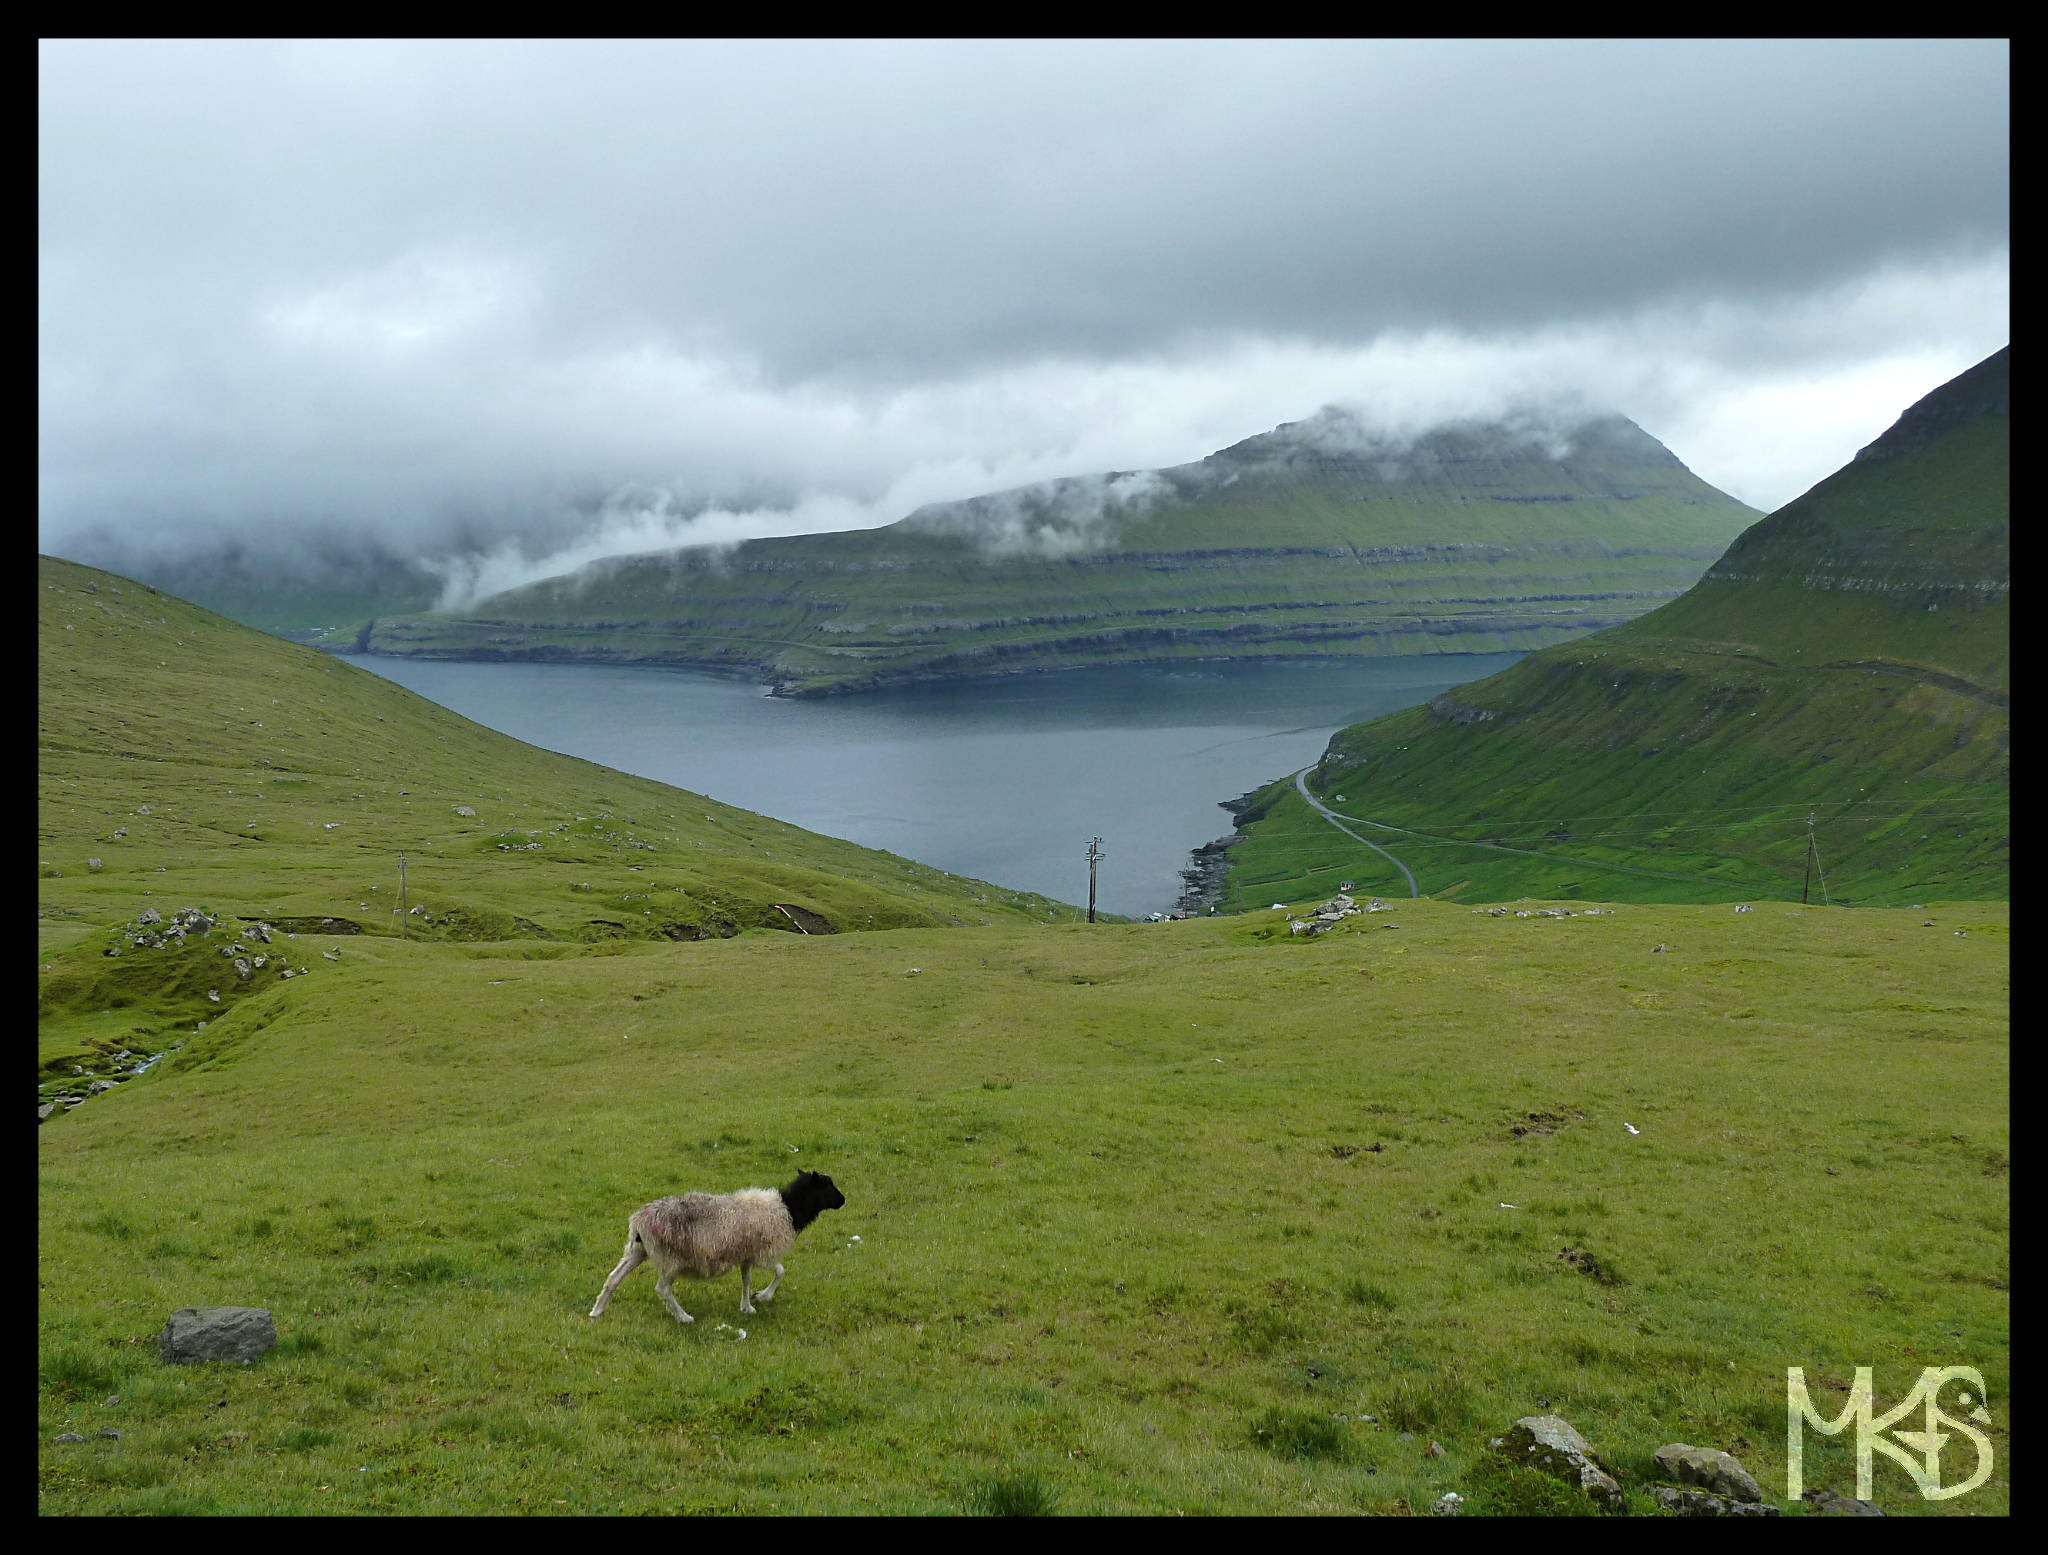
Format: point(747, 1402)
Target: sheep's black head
point(810, 1196)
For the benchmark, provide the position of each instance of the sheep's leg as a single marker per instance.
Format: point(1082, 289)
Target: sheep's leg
point(669, 1299)
point(746, 1293)
point(635, 1255)
point(769, 1293)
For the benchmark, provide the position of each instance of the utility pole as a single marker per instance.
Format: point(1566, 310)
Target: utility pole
point(1094, 856)
point(401, 896)
point(1808, 883)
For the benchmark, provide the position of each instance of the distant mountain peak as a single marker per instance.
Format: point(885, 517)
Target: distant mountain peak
point(1338, 434)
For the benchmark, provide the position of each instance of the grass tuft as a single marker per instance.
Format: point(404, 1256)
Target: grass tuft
point(1016, 1495)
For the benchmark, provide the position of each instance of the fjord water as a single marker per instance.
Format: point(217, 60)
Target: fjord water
point(1004, 779)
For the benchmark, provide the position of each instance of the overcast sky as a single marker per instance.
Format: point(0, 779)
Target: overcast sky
point(558, 297)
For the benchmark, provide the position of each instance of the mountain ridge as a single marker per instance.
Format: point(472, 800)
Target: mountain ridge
point(1848, 658)
point(1311, 539)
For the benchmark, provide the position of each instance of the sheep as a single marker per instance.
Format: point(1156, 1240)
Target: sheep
point(705, 1235)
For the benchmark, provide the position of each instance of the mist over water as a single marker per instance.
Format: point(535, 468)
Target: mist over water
point(1004, 780)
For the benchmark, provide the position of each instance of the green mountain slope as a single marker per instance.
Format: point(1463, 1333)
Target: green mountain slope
point(1314, 539)
point(187, 761)
point(1849, 656)
point(325, 595)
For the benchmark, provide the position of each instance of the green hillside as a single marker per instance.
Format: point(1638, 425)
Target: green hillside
point(1849, 657)
point(1311, 540)
point(184, 760)
point(326, 592)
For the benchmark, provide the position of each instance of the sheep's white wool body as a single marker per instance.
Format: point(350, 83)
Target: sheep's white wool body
point(704, 1235)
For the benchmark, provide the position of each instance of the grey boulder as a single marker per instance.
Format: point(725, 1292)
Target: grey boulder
point(1712, 1471)
point(216, 1334)
point(1549, 1444)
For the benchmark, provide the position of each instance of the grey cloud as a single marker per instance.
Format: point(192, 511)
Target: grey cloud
point(517, 299)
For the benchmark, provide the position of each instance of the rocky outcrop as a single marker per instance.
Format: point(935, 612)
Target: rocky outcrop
point(1548, 1444)
point(1698, 1503)
point(1448, 706)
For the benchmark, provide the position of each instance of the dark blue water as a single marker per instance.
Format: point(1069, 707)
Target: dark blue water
point(1004, 780)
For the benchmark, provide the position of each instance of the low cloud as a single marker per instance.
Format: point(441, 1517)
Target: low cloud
point(426, 409)
point(1050, 519)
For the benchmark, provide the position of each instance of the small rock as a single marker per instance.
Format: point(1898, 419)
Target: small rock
point(68, 1436)
point(1712, 1471)
point(93, 863)
point(1407, 1436)
point(1450, 1504)
point(44, 1109)
point(1825, 1503)
point(110, 1433)
point(1434, 1450)
point(1658, 951)
point(463, 809)
point(113, 1401)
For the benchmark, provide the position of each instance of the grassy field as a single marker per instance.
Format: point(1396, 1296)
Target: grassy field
point(1147, 1216)
point(1142, 1218)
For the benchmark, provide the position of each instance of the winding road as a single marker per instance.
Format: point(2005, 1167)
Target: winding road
point(1427, 838)
point(1301, 783)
